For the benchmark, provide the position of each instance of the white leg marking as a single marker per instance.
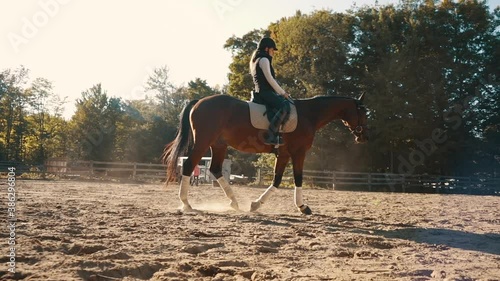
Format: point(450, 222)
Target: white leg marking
point(183, 193)
point(229, 192)
point(298, 197)
point(263, 198)
point(267, 194)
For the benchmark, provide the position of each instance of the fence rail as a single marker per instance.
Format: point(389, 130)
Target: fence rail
point(327, 179)
point(106, 169)
point(392, 182)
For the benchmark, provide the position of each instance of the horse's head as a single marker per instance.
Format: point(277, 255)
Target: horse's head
point(356, 120)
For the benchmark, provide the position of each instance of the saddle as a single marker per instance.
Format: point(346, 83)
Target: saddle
point(261, 114)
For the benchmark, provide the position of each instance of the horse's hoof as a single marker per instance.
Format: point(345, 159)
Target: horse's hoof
point(234, 205)
point(186, 209)
point(304, 209)
point(254, 206)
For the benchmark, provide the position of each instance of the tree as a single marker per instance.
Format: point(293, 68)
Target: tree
point(94, 125)
point(158, 82)
point(13, 101)
point(313, 53)
point(142, 135)
point(198, 88)
point(46, 123)
point(240, 80)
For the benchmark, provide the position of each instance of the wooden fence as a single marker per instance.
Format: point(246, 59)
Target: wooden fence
point(325, 179)
point(106, 169)
point(391, 182)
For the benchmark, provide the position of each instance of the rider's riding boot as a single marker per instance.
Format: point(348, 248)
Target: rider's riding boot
point(273, 136)
point(274, 139)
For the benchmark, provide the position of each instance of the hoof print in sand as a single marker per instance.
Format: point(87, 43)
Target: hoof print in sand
point(80, 250)
point(198, 249)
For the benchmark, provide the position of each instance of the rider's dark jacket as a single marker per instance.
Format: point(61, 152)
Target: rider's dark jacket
point(260, 82)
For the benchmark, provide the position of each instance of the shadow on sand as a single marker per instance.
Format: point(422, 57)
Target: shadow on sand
point(486, 243)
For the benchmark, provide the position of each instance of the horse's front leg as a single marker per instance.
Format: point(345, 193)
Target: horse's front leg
point(279, 169)
point(298, 168)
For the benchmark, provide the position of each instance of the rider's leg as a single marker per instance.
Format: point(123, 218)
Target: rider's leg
point(273, 131)
point(280, 104)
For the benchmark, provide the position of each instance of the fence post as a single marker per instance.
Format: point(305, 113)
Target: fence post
point(369, 181)
point(259, 176)
point(403, 183)
point(334, 180)
point(135, 171)
point(91, 167)
point(44, 170)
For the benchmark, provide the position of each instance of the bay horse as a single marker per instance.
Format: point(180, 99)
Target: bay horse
point(219, 121)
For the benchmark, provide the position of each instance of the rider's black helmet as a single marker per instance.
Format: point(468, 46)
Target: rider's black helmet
point(266, 42)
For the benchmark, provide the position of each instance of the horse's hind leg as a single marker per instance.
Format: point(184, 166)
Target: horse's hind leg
point(184, 186)
point(187, 168)
point(218, 155)
point(183, 193)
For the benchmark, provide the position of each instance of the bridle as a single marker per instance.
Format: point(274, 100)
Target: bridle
point(359, 129)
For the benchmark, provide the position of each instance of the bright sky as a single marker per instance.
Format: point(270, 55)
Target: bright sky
point(79, 43)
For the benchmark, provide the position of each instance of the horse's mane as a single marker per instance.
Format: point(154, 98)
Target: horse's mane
point(320, 97)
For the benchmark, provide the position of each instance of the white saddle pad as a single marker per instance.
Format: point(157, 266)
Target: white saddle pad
point(260, 121)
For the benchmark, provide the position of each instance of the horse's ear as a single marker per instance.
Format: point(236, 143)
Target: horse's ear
point(362, 97)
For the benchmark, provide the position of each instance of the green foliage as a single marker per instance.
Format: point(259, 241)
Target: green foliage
point(13, 103)
point(198, 89)
point(158, 82)
point(103, 128)
point(94, 125)
point(313, 53)
point(142, 136)
point(31, 126)
point(240, 80)
point(47, 128)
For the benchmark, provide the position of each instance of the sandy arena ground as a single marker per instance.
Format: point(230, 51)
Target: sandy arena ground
point(69, 230)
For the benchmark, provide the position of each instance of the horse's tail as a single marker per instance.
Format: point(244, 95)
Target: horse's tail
point(182, 143)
